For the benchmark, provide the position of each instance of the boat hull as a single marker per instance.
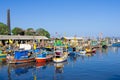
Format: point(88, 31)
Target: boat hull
point(3, 55)
point(82, 52)
point(38, 60)
point(58, 60)
point(61, 59)
point(21, 61)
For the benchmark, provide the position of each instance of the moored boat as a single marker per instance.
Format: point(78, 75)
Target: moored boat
point(60, 56)
point(88, 50)
point(82, 51)
point(43, 57)
point(93, 50)
point(116, 44)
point(3, 55)
point(20, 57)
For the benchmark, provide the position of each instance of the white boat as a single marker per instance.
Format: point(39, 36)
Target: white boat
point(82, 52)
point(60, 56)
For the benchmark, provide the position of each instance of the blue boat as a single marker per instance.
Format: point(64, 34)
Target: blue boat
point(117, 44)
point(21, 57)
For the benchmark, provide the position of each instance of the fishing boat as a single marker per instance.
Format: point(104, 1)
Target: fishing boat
point(104, 44)
point(90, 50)
point(82, 51)
point(3, 55)
point(60, 56)
point(43, 57)
point(2, 59)
point(70, 49)
point(116, 44)
point(20, 57)
point(93, 50)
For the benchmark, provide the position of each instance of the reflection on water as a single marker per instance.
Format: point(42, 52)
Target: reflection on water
point(91, 66)
point(59, 70)
point(19, 70)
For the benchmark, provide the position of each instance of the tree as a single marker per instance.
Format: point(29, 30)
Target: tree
point(42, 32)
point(30, 31)
point(3, 29)
point(17, 31)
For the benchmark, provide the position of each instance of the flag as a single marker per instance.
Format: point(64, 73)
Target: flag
point(10, 41)
point(64, 34)
point(34, 46)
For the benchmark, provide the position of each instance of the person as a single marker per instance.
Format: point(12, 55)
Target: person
point(30, 54)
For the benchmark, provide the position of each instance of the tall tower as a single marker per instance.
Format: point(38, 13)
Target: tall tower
point(8, 21)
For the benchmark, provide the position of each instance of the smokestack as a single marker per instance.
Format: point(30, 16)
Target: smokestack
point(8, 21)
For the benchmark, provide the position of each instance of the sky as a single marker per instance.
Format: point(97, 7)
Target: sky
point(66, 17)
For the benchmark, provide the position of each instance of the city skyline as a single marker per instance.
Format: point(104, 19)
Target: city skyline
point(69, 17)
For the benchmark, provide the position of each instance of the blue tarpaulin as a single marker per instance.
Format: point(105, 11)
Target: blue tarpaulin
point(21, 54)
point(37, 50)
point(42, 55)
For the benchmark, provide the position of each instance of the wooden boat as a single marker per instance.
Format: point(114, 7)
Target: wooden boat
point(20, 57)
point(2, 59)
point(60, 56)
point(88, 50)
point(82, 51)
point(70, 49)
point(37, 50)
point(3, 55)
point(93, 50)
point(116, 44)
point(43, 57)
point(104, 46)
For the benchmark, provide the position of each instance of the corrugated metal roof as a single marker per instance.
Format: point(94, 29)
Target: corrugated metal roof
point(73, 38)
point(16, 37)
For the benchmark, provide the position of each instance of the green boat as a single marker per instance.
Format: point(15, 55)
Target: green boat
point(2, 55)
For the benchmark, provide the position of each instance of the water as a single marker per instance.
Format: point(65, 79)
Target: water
point(104, 65)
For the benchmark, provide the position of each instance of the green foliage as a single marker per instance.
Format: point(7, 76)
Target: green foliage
point(42, 32)
point(17, 31)
point(3, 29)
point(30, 31)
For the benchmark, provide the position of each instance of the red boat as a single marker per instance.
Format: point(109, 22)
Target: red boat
point(38, 60)
point(93, 50)
point(43, 57)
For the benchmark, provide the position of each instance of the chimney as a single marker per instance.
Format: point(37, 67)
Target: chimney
point(8, 21)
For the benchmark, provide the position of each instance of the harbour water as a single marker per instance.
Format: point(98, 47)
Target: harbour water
point(102, 65)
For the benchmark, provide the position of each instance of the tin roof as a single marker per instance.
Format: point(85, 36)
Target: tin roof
point(21, 37)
